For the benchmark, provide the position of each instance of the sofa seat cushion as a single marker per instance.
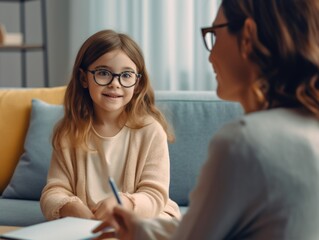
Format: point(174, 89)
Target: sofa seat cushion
point(15, 108)
point(20, 212)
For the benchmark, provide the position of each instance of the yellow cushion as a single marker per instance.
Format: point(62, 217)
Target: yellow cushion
point(15, 109)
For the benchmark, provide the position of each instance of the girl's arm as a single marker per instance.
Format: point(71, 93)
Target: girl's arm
point(76, 209)
point(58, 198)
point(149, 173)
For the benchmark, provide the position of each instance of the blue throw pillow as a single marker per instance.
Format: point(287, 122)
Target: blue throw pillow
point(30, 175)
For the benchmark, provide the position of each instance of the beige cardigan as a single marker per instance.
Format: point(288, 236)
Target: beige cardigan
point(146, 176)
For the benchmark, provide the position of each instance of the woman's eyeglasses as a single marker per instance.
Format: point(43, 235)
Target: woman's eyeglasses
point(209, 35)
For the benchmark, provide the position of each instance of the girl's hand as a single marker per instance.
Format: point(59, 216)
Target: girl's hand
point(104, 208)
point(124, 222)
point(76, 209)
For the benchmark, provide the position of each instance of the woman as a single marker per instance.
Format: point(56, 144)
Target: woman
point(261, 177)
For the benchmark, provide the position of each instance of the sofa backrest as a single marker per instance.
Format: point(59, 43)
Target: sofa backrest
point(195, 117)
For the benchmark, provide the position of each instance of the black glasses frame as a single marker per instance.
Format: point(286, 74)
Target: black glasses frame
point(138, 76)
point(211, 29)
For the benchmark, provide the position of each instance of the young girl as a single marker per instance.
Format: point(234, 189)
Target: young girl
point(111, 128)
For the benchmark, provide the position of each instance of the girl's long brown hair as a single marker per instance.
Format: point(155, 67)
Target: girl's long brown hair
point(78, 106)
point(286, 48)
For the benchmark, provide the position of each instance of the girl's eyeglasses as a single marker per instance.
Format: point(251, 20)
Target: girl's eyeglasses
point(104, 77)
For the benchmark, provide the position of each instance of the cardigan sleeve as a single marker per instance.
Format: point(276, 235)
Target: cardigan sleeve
point(59, 189)
point(148, 165)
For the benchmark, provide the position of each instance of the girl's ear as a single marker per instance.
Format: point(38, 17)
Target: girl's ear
point(248, 37)
point(83, 79)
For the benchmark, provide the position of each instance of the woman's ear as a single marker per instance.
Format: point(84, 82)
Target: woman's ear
point(248, 37)
point(83, 78)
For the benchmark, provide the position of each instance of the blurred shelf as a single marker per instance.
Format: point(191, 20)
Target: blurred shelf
point(17, 0)
point(27, 47)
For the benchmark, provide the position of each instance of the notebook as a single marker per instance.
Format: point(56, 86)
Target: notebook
point(68, 228)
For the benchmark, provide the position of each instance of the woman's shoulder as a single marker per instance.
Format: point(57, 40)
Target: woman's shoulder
point(241, 140)
point(263, 127)
point(270, 117)
point(243, 128)
point(278, 120)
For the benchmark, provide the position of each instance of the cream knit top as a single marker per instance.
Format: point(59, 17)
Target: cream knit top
point(107, 161)
point(143, 175)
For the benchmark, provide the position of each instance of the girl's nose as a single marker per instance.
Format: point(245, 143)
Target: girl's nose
point(115, 82)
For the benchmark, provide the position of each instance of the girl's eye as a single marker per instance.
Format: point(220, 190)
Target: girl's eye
point(126, 75)
point(103, 73)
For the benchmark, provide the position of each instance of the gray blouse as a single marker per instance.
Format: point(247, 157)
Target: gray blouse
point(260, 182)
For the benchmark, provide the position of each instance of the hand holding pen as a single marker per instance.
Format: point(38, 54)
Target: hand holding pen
point(125, 222)
point(104, 208)
point(104, 230)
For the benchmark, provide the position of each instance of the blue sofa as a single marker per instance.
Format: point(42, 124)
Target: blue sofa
point(195, 117)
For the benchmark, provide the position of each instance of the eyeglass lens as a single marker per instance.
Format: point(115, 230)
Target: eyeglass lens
point(209, 40)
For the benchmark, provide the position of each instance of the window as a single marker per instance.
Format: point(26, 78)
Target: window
point(168, 31)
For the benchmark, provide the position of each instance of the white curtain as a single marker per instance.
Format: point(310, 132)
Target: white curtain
point(168, 31)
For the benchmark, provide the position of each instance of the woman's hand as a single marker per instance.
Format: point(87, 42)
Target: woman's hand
point(124, 222)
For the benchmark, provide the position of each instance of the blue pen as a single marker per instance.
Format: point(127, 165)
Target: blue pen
point(115, 191)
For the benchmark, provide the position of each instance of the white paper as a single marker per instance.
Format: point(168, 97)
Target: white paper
point(68, 228)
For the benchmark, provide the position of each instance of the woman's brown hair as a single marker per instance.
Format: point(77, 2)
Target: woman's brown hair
point(286, 49)
point(78, 106)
